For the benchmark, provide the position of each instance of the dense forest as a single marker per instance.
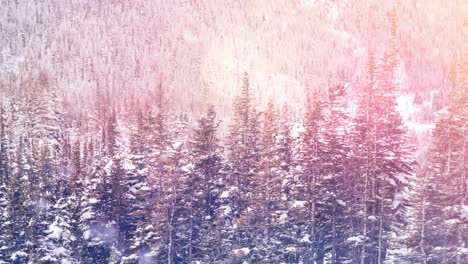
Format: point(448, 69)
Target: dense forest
point(140, 185)
point(118, 148)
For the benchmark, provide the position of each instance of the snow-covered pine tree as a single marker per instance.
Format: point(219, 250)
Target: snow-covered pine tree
point(334, 198)
point(77, 184)
point(310, 159)
point(446, 222)
point(393, 151)
point(101, 202)
point(383, 164)
point(244, 155)
point(361, 131)
point(22, 206)
point(408, 241)
point(118, 214)
point(284, 139)
point(93, 247)
point(59, 237)
point(137, 176)
point(269, 207)
point(5, 218)
point(286, 233)
point(167, 159)
point(203, 188)
point(93, 221)
point(44, 129)
point(174, 227)
point(135, 218)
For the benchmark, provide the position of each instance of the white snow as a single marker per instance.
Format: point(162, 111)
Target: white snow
point(187, 168)
point(227, 193)
point(145, 188)
point(60, 251)
point(127, 165)
point(55, 232)
point(308, 3)
point(224, 194)
point(130, 196)
point(108, 167)
point(177, 145)
point(42, 205)
point(9, 62)
point(48, 259)
point(464, 212)
point(283, 217)
point(299, 204)
point(86, 216)
point(93, 201)
point(452, 222)
point(297, 130)
point(397, 200)
point(189, 37)
point(241, 251)
point(291, 249)
point(341, 203)
point(305, 239)
point(226, 209)
point(355, 240)
point(18, 254)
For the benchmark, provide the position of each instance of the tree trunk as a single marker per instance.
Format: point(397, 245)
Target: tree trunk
point(379, 255)
point(364, 228)
point(461, 225)
point(333, 250)
point(191, 231)
point(423, 221)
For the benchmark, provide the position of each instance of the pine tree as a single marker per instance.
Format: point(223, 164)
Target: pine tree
point(22, 206)
point(447, 188)
point(167, 158)
point(285, 237)
point(244, 154)
point(310, 159)
point(102, 204)
point(45, 131)
point(93, 222)
point(384, 161)
point(142, 206)
point(203, 188)
point(5, 218)
point(334, 191)
point(59, 238)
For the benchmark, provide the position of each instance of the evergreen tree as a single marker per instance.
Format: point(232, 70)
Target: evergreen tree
point(22, 207)
point(244, 154)
point(203, 189)
point(142, 205)
point(5, 218)
point(383, 162)
point(310, 159)
point(334, 198)
point(269, 205)
point(407, 242)
point(45, 131)
point(94, 227)
point(446, 192)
